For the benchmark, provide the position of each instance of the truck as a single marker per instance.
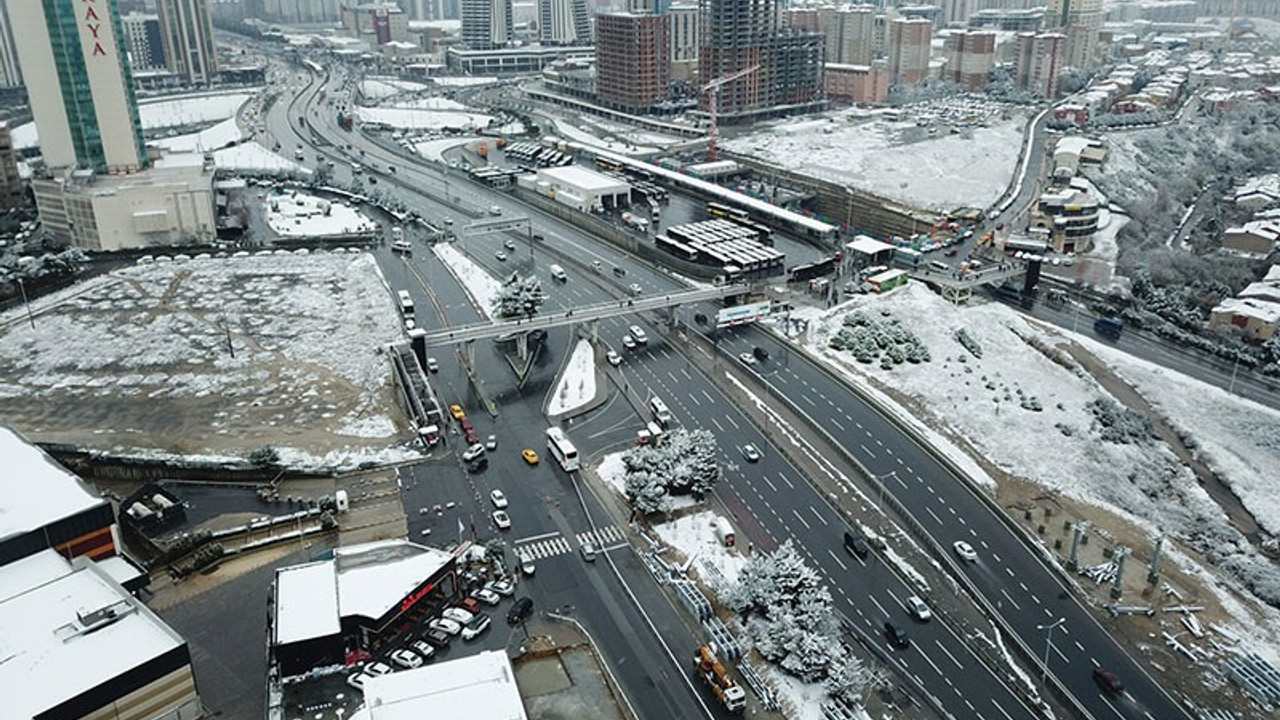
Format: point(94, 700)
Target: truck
point(1108, 327)
point(650, 435)
point(635, 221)
point(725, 688)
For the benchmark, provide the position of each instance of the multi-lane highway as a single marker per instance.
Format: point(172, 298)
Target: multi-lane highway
point(772, 493)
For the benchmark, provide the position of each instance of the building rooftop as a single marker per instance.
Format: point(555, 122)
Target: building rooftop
point(60, 492)
point(583, 178)
point(54, 643)
point(484, 684)
point(867, 245)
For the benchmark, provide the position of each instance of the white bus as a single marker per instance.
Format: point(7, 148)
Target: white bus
point(660, 411)
point(406, 303)
point(563, 450)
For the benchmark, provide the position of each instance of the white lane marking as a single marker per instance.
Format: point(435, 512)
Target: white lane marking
point(802, 520)
point(815, 514)
point(840, 563)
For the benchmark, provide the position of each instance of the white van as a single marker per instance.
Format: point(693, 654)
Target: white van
point(660, 411)
point(557, 273)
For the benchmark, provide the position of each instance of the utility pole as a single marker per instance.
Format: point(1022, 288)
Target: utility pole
point(1048, 645)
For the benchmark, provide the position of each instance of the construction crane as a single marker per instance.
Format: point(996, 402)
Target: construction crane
point(713, 88)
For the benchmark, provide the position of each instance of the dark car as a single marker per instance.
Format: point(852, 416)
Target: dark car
point(520, 610)
point(760, 353)
point(1108, 681)
point(480, 464)
point(619, 271)
point(855, 544)
point(896, 635)
point(438, 638)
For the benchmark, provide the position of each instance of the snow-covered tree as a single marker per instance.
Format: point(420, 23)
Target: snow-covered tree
point(647, 493)
point(520, 297)
point(683, 463)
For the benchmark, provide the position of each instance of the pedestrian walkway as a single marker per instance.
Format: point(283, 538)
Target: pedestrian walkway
point(605, 538)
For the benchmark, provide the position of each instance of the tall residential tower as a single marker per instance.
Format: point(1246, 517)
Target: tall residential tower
point(564, 22)
point(186, 29)
point(486, 24)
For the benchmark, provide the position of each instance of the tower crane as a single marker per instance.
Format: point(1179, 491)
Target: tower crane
point(713, 90)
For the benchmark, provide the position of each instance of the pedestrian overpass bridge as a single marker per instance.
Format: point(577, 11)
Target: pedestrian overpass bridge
point(589, 313)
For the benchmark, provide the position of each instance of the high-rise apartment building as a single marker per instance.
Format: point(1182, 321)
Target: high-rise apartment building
point(142, 37)
point(631, 60)
point(851, 36)
point(1038, 62)
point(957, 12)
point(564, 22)
point(11, 188)
point(10, 69)
point(1080, 21)
point(486, 24)
point(376, 23)
point(737, 35)
point(187, 30)
point(682, 40)
point(909, 50)
point(81, 90)
point(971, 54)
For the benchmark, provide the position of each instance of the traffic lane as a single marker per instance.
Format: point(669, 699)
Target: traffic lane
point(781, 498)
point(940, 505)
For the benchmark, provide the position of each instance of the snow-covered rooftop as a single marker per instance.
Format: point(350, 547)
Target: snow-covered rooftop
point(584, 179)
point(1261, 310)
point(26, 466)
point(48, 655)
point(373, 577)
point(867, 245)
point(306, 603)
point(483, 684)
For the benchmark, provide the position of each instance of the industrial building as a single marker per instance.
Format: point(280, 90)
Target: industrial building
point(724, 243)
point(579, 188)
point(354, 599)
point(631, 61)
point(512, 61)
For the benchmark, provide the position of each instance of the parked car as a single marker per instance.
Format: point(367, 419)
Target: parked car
point(407, 659)
point(438, 637)
point(965, 550)
point(378, 668)
point(503, 587)
point(498, 498)
point(501, 519)
point(424, 648)
point(470, 604)
point(458, 615)
point(896, 635)
point(918, 608)
point(486, 596)
point(356, 680)
point(750, 452)
point(473, 452)
point(520, 610)
point(475, 627)
point(444, 625)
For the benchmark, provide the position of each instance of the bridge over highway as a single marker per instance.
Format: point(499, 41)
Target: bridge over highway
point(958, 286)
point(479, 331)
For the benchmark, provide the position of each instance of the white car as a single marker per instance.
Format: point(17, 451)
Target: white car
point(491, 442)
point(503, 587)
point(747, 359)
point(509, 244)
point(424, 648)
point(432, 365)
point(473, 452)
point(445, 625)
point(502, 257)
point(475, 627)
point(501, 519)
point(526, 565)
point(378, 668)
point(965, 550)
point(750, 453)
point(357, 680)
point(498, 498)
point(458, 615)
point(918, 609)
point(613, 357)
point(628, 342)
point(486, 596)
point(407, 659)
point(638, 333)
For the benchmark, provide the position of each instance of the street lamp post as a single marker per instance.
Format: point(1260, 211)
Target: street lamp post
point(1048, 645)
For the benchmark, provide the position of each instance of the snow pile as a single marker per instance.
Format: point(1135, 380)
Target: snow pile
point(577, 385)
point(894, 158)
point(694, 536)
point(478, 283)
point(300, 215)
point(208, 356)
point(1026, 406)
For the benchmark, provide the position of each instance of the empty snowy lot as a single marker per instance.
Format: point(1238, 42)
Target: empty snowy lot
point(211, 357)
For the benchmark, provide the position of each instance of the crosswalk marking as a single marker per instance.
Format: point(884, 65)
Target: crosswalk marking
point(606, 538)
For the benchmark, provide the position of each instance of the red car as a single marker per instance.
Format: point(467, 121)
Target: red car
point(472, 437)
point(470, 604)
point(952, 252)
point(467, 426)
point(1108, 681)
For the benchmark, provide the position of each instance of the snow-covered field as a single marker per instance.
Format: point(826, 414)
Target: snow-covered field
point(577, 384)
point(382, 87)
point(162, 113)
point(425, 119)
point(211, 358)
point(478, 283)
point(210, 138)
point(1027, 412)
point(295, 214)
point(892, 158)
point(461, 81)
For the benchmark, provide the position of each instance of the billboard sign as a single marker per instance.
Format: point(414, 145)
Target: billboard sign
point(741, 314)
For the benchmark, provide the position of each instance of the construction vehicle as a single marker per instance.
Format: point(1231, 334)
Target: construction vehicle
point(713, 673)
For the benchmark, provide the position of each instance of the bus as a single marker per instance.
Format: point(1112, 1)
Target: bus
point(563, 450)
point(406, 303)
point(660, 411)
point(724, 211)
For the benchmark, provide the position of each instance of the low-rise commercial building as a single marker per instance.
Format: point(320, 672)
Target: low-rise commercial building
point(582, 189)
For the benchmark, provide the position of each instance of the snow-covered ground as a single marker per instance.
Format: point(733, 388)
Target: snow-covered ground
point(892, 158)
point(695, 537)
point(426, 103)
point(156, 114)
point(577, 384)
point(478, 283)
point(588, 136)
point(992, 402)
point(382, 87)
point(210, 138)
point(251, 156)
point(426, 119)
point(434, 149)
point(296, 214)
point(461, 81)
point(211, 358)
